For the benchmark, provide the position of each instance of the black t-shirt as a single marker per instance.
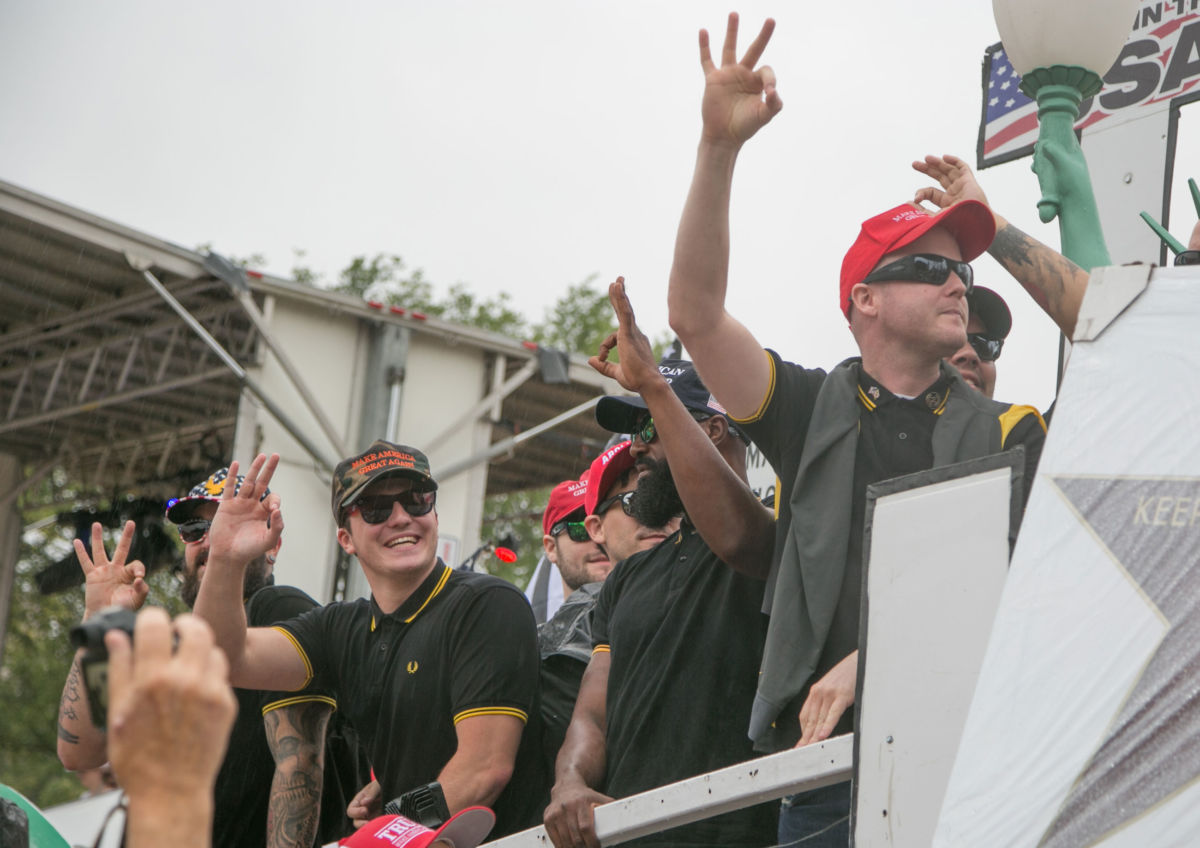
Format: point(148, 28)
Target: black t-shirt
point(243, 787)
point(686, 634)
point(462, 645)
point(894, 438)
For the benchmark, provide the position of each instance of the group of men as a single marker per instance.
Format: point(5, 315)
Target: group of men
point(699, 626)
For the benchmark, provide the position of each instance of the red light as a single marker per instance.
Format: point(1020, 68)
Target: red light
point(505, 555)
point(397, 310)
point(374, 304)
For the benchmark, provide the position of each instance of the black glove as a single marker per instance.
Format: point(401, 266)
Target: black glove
point(425, 805)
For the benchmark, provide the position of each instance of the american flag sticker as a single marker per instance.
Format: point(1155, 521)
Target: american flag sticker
point(1158, 66)
point(1010, 125)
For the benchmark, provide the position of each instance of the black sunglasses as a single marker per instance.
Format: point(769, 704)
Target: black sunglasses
point(576, 532)
point(987, 349)
point(1187, 257)
point(929, 268)
point(376, 509)
point(645, 430)
point(625, 499)
point(194, 530)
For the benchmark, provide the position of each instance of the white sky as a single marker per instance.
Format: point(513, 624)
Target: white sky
point(515, 147)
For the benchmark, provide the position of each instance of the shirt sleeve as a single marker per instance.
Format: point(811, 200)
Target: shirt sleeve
point(307, 633)
point(1028, 430)
point(494, 656)
point(780, 425)
point(602, 613)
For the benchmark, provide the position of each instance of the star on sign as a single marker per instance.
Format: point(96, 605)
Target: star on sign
point(1151, 529)
point(1005, 84)
point(993, 101)
point(1009, 102)
point(1002, 71)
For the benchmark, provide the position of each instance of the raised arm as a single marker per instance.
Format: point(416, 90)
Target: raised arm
point(296, 737)
point(738, 101)
point(107, 582)
point(581, 763)
point(246, 526)
point(730, 519)
point(1054, 282)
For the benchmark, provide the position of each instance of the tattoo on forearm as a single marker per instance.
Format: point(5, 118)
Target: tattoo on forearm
point(296, 736)
point(66, 706)
point(1019, 255)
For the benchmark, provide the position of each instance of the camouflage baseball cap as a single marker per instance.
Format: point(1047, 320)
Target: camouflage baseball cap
point(180, 510)
point(382, 459)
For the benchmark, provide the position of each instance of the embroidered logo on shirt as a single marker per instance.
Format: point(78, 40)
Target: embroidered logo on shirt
point(412, 666)
point(873, 392)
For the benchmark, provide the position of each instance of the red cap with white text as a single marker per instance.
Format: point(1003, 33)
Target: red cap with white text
point(968, 221)
point(465, 830)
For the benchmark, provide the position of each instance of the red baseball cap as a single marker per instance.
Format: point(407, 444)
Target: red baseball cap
point(565, 498)
point(968, 221)
point(465, 830)
point(605, 470)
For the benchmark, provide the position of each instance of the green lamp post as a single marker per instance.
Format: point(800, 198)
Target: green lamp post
point(1060, 48)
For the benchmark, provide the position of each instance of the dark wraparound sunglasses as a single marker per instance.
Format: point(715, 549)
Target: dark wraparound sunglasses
point(645, 430)
point(194, 530)
point(625, 499)
point(1187, 257)
point(376, 509)
point(929, 268)
point(987, 349)
point(575, 530)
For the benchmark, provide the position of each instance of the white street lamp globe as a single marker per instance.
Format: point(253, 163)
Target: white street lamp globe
point(1043, 33)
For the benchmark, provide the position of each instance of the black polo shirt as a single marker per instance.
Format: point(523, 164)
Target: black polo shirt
point(895, 438)
point(685, 632)
point(462, 645)
point(243, 787)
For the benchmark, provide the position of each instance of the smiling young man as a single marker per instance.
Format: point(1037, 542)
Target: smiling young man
point(894, 410)
point(988, 323)
point(437, 670)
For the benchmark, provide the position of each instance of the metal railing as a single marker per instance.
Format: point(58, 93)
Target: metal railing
point(707, 795)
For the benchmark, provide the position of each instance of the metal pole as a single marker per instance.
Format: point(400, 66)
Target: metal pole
point(232, 275)
point(510, 443)
point(315, 452)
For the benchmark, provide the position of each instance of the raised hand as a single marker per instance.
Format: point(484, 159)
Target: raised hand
point(955, 177)
point(739, 100)
point(108, 582)
point(637, 366)
point(247, 525)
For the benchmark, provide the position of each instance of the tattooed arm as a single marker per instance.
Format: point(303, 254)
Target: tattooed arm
point(296, 736)
point(82, 745)
point(1053, 281)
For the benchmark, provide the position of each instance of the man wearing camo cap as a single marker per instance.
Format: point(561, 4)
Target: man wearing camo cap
point(437, 670)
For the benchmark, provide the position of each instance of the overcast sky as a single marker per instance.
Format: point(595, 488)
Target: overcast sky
point(515, 147)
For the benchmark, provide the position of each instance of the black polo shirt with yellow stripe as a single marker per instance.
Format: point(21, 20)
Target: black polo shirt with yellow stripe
point(895, 438)
point(462, 645)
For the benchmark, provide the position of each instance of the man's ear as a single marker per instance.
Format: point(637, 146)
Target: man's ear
point(344, 539)
point(550, 548)
point(864, 300)
point(595, 528)
point(717, 429)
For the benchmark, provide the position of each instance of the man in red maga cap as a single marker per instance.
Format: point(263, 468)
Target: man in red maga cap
point(896, 409)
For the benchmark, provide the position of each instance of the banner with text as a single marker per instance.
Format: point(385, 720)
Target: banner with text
point(1160, 63)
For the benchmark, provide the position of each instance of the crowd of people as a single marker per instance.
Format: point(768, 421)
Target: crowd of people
point(700, 627)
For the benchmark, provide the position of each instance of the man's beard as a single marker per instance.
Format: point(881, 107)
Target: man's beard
point(657, 500)
point(258, 575)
